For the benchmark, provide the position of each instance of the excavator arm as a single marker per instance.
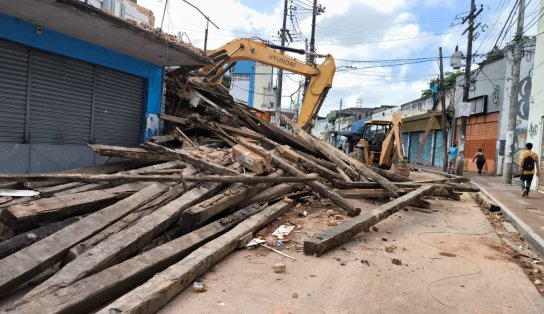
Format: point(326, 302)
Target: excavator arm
point(320, 77)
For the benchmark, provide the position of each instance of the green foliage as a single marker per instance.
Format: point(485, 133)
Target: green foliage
point(331, 117)
point(449, 81)
point(492, 56)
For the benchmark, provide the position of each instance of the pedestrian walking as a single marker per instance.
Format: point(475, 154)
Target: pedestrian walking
point(479, 157)
point(528, 163)
point(452, 152)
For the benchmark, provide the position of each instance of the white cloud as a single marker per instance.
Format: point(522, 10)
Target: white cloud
point(350, 30)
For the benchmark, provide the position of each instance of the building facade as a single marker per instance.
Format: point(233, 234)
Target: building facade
point(415, 117)
point(62, 87)
point(535, 120)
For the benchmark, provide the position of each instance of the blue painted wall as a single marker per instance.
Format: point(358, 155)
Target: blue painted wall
point(24, 33)
point(247, 67)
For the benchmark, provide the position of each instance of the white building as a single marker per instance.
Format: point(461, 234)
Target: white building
point(535, 121)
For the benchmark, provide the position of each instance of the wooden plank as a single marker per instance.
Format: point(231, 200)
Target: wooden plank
point(365, 193)
point(160, 289)
point(185, 137)
point(168, 196)
point(117, 178)
point(121, 245)
point(186, 157)
point(105, 168)
point(25, 239)
point(51, 190)
point(89, 293)
point(128, 152)
point(342, 233)
point(393, 177)
point(58, 207)
point(288, 153)
point(319, 187)
point(271, 193)
point(23, 265)
point(85, 187)
point(200, 213)
point(251, 160)
point(178, 120)
point(324, 148)
point(162, 138)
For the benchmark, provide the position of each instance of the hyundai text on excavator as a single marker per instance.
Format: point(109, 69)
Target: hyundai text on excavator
point(381, 144)
point(319, 77)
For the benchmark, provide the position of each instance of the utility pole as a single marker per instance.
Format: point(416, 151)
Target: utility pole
point(444, 118)
point(339, 122)
point(312, 38)
point(280, 71)
point(466, 87)
point(507, 173)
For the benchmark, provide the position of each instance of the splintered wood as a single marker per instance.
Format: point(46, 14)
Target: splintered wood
point(128, 236)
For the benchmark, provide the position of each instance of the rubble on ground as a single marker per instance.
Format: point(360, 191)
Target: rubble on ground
point(131, 232)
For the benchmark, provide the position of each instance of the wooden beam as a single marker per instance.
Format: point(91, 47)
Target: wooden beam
point(157, 291)
point(185, 137)
point(162, 138)
point(251, 160)
point(393, 177)
point(200, 213)
point(23, 265)
point(186, 157)
point(271, 193)
point(106, 168)
point(178, 120)
point(342, 233)
point(128, 152)
point(121, 245)
point(157, 178)
point(86, 295)
point(58, 207)
point(365, 193)
point(319, 187)
point(23, 240)
point(292, 155)
point(172, 193)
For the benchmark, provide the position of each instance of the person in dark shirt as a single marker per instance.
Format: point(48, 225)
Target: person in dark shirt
point(480, 160)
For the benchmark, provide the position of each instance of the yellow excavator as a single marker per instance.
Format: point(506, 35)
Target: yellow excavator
point(320, 77)
point(381, 144)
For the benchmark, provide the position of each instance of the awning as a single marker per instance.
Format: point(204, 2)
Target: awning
point(418, 123)
point(89, 24)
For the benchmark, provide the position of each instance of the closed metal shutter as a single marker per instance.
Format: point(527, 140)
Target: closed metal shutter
point(60, 100)
point(13, 92)
point(414, 146)
point(405, 143)
point(425, 158)
point(119, 99)
point(482, 131)
point(438, 149)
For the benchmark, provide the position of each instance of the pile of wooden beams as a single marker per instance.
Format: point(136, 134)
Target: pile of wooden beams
point(128, 236)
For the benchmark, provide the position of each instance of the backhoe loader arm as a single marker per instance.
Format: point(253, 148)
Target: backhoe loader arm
point(320, 77)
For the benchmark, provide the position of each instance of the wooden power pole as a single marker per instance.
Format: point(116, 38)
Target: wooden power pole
point(509, 154)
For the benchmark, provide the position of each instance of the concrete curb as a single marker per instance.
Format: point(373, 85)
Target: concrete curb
point(534, 240)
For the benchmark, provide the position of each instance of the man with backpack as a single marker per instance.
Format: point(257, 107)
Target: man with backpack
point(528, 162)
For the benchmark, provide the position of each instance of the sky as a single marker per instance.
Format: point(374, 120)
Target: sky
point(386, 51)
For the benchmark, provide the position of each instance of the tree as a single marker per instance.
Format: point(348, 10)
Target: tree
point(449, 81)
point(492, 56)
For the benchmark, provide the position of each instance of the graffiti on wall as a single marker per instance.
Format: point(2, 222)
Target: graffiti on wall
point(524, 98)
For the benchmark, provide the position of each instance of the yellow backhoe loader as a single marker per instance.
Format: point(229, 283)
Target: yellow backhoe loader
point(381, 144)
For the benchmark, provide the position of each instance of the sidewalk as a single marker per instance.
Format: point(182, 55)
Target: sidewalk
point(525, 214)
